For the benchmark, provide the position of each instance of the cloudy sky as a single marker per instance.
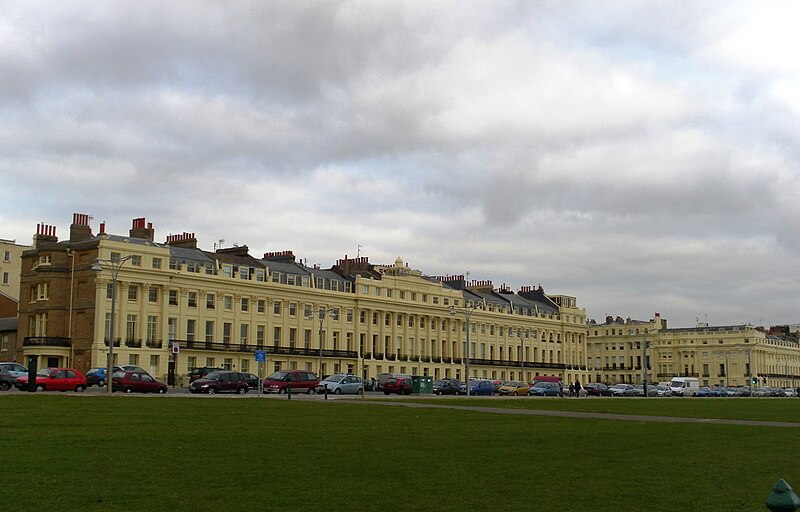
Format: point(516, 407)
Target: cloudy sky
point(641, 156)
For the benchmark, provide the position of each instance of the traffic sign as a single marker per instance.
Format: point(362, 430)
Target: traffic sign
point(261, 356)
point(176, 348)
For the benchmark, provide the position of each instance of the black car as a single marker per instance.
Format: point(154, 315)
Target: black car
point(252, 380)
point(446, 387)
point(6, 380)
point(597, 389)
point(199, 373)
point(220, 382)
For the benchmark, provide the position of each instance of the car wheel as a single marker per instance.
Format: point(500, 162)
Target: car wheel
point(128, 389)
point(211, 391)
point(80, 388)
point(242, 391)
point(386, 393)
point(311, 391)
point(5, 386)
point(338, 391)
point(101, 383)
point(41, 387)
point(281, 391)
point(162, 391)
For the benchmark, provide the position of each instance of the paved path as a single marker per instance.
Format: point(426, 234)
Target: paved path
point(580, 414)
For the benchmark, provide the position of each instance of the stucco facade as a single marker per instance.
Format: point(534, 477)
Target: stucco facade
point(219, 307)
point(717, 355)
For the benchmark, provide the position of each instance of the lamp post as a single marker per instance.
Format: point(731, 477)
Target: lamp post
point(527, 334)
point(113, 265)
point(322, 312)
point(644, 363)
point(467, 312)
point(721, 353)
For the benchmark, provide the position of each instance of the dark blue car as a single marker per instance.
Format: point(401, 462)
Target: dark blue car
point(545, 389)
point(481, 388)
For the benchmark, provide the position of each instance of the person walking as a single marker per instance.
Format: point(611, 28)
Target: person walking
point(571, 390)
point(578, 388)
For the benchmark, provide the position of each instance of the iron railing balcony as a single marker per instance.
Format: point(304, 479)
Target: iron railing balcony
point(244, 347)
point(133, 343)
point(154, 343)
point(46, 341)
point(117, 342)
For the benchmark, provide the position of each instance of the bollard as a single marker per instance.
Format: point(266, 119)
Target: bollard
point(326, 391)
point(289, 392)
point(782, 498)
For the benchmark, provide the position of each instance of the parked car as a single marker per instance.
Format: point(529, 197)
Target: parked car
point(14, 369)
point(252, 380)
point(298, 380)
point(133, 368)
point(339, 383)
point(481, 388)
point(97, 376)
point(651, 390)
point(513, 387)
point(6, 379)
point(202, 371)
point(597, 389)
point(220, 382)
point(447, 387)
point(399, 385)
point(622, 390)
point(55, 379)
point(496, 384)
point(662, 390)
point(130, 382)
point(543, 388)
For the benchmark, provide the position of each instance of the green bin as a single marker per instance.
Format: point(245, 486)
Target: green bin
point(422, 385)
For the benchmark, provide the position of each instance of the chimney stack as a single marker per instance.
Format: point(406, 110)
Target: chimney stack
point(79, 230)
point(140, 230)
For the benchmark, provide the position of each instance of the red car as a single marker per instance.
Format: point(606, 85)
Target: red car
point(399, 385)
point(139, 382)
point(55, 379)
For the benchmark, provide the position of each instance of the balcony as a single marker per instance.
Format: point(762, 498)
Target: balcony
point(117, 342)
point(527, 364)
point(414, 359)
point(245, 348)
point(436, 359)
point(133, 343)
point(447, 360)
point(377, 355)
point(46, 341)
point(391, 357)
point(154, 344)
point(425, 359)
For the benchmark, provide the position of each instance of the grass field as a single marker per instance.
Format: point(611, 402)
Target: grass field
point(762, 409)
point(67, 452)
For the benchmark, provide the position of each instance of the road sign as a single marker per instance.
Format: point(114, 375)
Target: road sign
point(261, 356)
point(176, 348)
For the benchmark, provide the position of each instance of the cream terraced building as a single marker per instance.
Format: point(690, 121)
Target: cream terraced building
point(732, 355)
point(218, 308)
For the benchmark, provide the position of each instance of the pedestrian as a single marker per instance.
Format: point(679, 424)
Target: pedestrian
point(571, 389)
point(578, 388)
point(372, 386)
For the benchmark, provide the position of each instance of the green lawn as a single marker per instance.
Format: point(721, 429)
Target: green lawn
point(67, 452)
point(763, 409)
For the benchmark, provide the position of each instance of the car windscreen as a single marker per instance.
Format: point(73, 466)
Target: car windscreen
point(333, 378)
point(44, 372)
point(213, 376)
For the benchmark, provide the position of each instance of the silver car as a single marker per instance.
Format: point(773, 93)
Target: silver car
point(622, 390)
point(340, 383)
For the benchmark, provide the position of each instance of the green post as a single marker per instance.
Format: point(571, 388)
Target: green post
point(782, 498)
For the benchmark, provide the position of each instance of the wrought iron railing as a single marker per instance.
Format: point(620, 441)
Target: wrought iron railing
point(46, 341)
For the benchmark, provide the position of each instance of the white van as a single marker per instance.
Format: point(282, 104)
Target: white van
point(684, 386)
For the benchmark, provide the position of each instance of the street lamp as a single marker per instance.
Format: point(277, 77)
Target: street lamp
point(721, 353)
point(321, 313)
point(644, 363)
point(113, 265)
point(528, 333)
point(467, 312)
